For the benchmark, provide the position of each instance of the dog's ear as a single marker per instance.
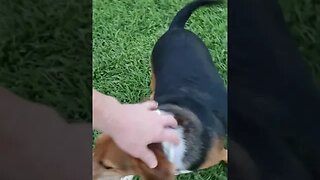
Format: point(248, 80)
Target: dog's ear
point(109, 154)
point(109, 159)
point(98, 156)
point(101, 146)
point(164, 170)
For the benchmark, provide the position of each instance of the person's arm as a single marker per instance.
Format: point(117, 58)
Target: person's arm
point(103, 106)
point(133, 126)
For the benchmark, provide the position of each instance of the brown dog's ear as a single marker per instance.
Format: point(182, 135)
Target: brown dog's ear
point(102, 143)
point(107, 158)
point(97, 155)
point(107, 151)
point(164, 170)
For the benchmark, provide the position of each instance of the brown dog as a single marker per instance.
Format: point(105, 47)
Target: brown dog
point(110, 162)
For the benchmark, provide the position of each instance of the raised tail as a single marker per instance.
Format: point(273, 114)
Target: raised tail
point(184, 14)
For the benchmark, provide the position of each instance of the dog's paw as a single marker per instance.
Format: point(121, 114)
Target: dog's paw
point(127, 177)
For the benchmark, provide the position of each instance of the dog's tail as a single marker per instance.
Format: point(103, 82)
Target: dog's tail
point(184, 14)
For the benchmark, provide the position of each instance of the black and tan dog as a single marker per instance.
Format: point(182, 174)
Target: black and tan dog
point(185, 83)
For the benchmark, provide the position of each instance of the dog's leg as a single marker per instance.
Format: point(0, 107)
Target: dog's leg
point(217, 154)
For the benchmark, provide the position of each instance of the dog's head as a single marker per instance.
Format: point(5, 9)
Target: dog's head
point(110, 161)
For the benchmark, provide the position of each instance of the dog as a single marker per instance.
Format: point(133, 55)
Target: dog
point(186, 84)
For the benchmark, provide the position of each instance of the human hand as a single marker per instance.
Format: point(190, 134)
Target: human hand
point(134, 126)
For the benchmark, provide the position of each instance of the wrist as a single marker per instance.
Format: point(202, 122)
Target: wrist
point(104, 108)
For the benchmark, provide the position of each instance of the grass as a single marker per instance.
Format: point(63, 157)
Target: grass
point(304, 25)
point(124, 33)
point(45, 54)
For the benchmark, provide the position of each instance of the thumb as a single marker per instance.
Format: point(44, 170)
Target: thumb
point(149, 158)
point(152, 105)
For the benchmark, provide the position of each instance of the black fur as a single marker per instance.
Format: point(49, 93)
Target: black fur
point(186, 77)
point(184, 14)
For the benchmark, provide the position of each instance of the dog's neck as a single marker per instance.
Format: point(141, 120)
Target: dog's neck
point(175, 153)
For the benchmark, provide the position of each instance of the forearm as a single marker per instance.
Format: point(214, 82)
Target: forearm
point(102, 111)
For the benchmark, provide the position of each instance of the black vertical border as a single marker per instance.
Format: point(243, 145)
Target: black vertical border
point(273, 100)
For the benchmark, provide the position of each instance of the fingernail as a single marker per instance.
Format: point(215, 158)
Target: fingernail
point(153, 164)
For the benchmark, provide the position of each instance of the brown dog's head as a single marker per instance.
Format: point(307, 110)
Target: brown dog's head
point(110, 161)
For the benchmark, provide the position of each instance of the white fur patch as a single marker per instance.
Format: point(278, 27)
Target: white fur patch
point(182, 172)
point(175, 154)
point(127, 177)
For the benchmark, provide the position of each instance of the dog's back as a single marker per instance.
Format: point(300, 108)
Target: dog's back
point(186, 77)
point(180, 59)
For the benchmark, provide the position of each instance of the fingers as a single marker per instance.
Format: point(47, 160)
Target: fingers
point(149, 158)
point(168, 135)
point(151, 105)
point(169, 121)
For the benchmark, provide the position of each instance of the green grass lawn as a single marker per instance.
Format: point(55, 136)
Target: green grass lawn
point(124, 33)
point(45, 55)
point(303, 20)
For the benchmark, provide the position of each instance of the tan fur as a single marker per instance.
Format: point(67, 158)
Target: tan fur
point(216, 154)
point(107, 152)
point(122, 164)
